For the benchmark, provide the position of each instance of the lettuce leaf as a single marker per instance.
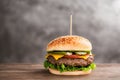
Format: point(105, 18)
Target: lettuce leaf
point(63, 68)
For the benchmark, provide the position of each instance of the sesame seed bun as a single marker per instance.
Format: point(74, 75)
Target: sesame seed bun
point(72, 42)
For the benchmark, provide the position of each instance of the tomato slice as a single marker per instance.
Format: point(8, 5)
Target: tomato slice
point(74, 56)
point(71, 56)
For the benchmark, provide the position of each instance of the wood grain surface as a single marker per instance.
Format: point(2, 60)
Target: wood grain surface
point(37, 72)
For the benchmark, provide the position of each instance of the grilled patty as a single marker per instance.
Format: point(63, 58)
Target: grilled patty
point(70, 61)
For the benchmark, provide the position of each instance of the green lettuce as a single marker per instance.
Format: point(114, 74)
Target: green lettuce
point(63, 68)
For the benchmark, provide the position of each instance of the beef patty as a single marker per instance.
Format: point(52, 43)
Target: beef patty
point(70, 61)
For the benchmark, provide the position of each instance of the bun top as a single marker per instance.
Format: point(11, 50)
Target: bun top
point(72, 42)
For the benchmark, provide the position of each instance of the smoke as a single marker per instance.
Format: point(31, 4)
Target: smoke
point(28, 25)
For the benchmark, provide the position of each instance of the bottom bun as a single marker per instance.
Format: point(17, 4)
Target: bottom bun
point(53, 71)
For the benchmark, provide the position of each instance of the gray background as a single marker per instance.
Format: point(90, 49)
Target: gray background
point(26, 27)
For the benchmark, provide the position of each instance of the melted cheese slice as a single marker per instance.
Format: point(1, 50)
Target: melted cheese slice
point(57, 56)
point(84, 57)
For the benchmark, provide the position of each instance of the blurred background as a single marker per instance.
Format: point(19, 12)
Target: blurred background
point(26, 27)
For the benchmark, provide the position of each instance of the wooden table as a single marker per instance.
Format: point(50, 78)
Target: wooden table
point(37, 72)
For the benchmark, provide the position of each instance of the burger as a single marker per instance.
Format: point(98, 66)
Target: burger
point(69, 55)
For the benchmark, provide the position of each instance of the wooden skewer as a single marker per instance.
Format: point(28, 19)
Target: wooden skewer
point(70, 24)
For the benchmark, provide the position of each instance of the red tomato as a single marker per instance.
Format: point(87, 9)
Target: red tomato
point(71, 56)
